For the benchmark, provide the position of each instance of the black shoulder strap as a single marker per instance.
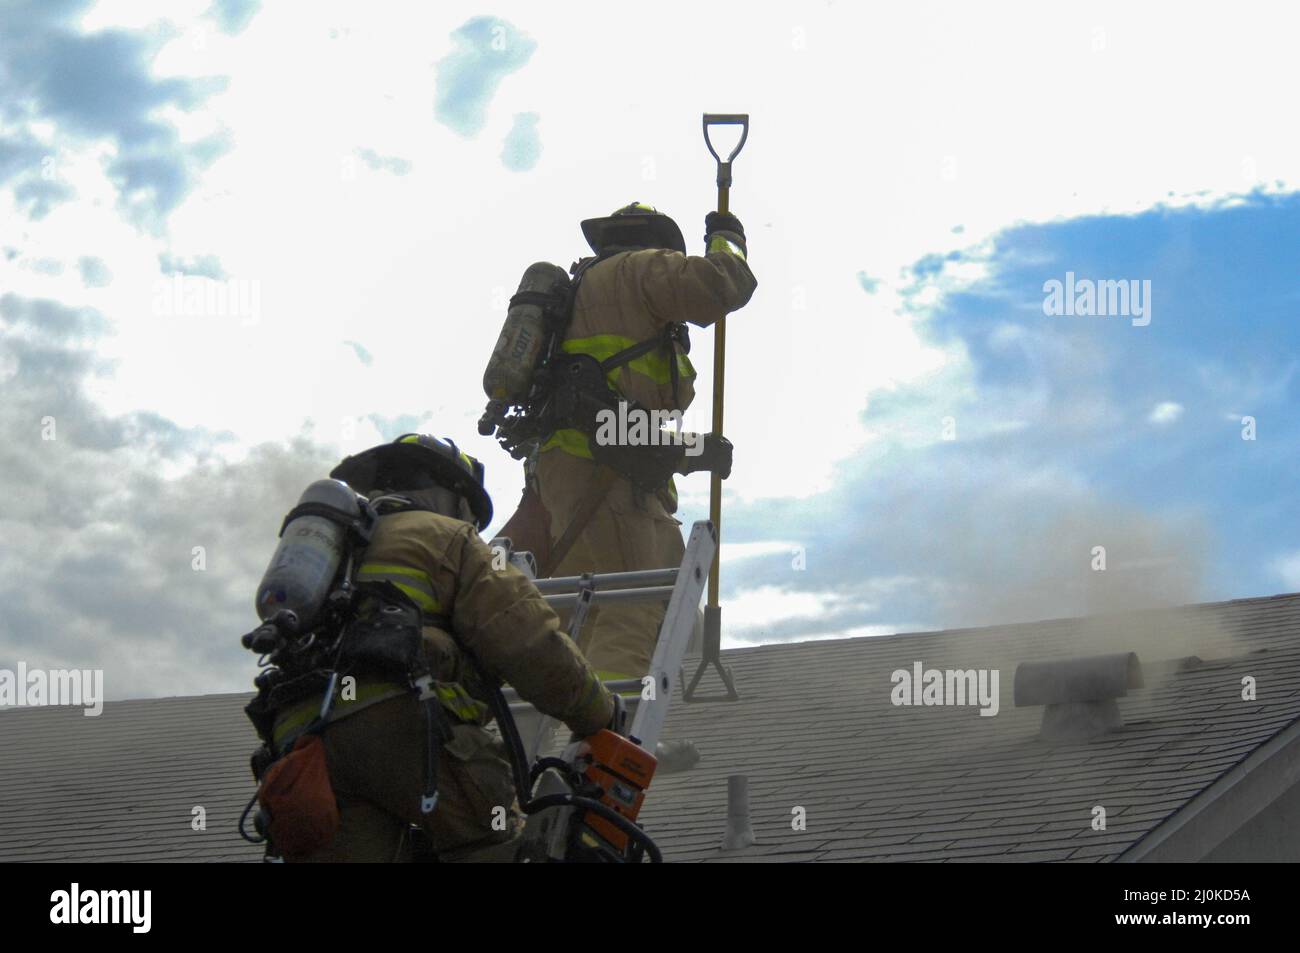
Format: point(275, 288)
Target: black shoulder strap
point(664, 339)
point(563, 316)
point(576, 270)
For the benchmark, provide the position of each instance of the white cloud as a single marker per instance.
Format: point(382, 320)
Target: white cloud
point(765, 606)
point(1165, 412)
point(737, 552)
point(1288, 569)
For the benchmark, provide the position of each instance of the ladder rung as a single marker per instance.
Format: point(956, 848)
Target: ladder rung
point(614, 685)
point(563, 600)
point(522, 708)
point(619, 580)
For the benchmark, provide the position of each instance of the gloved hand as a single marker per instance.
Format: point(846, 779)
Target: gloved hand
point(715, 456)
point(617, 723)
point(648, 468)
point(724, 225)
point(618, 720)
point(723, 222)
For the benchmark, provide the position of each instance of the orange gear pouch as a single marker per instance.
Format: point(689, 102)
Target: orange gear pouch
point(297, 793)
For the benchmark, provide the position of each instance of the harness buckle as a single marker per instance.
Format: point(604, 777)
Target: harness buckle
point(425, 684)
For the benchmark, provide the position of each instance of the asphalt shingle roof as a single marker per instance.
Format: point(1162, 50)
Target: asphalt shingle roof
point(815, 728)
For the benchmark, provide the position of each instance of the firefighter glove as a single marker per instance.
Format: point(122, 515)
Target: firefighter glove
point(721, 228)
point(713, 455)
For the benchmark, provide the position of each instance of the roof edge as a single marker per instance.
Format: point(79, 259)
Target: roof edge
point(1234, 798)
point(1114, 616)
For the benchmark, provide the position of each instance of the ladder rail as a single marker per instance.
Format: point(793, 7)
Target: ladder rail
point(675, 633)
point(647, 714)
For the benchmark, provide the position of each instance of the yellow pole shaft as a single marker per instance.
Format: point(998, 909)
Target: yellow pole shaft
point(719, 376)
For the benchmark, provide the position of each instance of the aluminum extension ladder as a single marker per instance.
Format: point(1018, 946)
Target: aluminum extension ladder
point(682, 586)
point(546, 834)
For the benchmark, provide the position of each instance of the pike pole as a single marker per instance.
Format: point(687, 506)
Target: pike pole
point(712, 610)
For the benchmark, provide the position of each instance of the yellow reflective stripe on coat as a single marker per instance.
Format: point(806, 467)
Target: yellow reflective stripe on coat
point(460, 703)
point(413, 582)
point(604, 346)
point(719, 243)
point(451, 695)
point(297, 717)
point(685, 369)
point(572, 442)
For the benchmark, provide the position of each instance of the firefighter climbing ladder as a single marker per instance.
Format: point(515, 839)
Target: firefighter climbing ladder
point(682, 587)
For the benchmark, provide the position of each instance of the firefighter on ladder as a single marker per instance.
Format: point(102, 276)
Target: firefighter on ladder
point(641, 286)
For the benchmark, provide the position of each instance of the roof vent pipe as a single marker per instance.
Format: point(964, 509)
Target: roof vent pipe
point(1079, 693)
point(739, 831)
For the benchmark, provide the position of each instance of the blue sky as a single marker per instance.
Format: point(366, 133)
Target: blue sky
point(1223, 344)
point(918, 444)
point(1140, 427)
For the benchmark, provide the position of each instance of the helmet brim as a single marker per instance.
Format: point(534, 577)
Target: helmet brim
point(653, 231)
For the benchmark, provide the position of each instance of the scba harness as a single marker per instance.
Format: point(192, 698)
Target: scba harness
point(551, 390)
point(370, 632)
point(374, 631)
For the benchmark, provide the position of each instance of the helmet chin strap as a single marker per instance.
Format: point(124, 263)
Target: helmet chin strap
point(466, 512)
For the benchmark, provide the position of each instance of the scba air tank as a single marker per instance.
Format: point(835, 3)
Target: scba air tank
point(509, 373)
point(308, 556)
